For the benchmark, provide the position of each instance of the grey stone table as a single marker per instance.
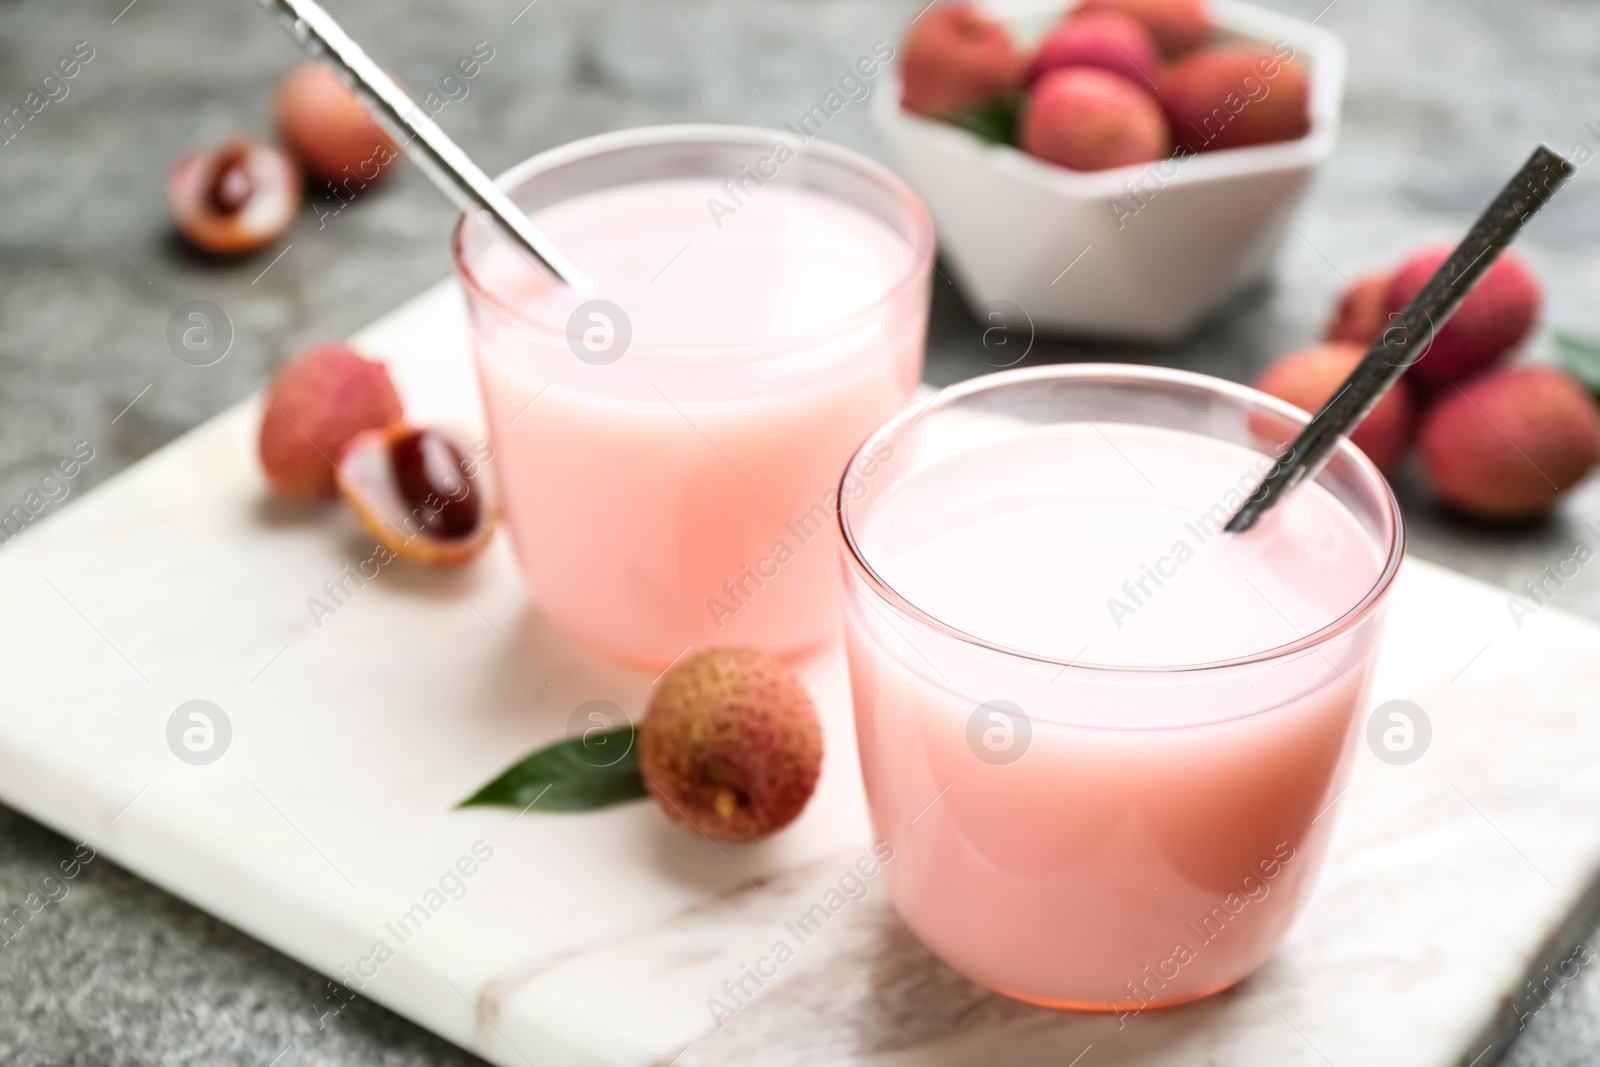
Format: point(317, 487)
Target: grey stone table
point(1445, 98)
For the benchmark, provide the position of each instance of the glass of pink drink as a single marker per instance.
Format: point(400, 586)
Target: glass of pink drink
point(1103, 737)
point(668, 441)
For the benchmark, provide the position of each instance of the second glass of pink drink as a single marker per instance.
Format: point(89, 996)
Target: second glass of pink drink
point(668, 441)
point(1103, 737)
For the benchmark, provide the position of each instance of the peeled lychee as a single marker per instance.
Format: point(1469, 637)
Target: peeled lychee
point(1087, 119)
point(1104, 39)
point(1493, 318)
point(316, 405)
point(1508, 444)
point(1235, 96)
point(955, 59)
point(1362, 315)
point(1176, 25)
point(1309, 377)
point(235, 198)
point(731, 746)
point(324, 123)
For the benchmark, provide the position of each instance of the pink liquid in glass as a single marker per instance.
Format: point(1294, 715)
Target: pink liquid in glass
point(1127, 835)
point(682, 494)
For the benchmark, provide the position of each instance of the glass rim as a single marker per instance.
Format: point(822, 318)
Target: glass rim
point(720, 135)
point(1133, 374)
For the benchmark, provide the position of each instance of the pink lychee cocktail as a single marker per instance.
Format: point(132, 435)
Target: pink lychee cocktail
point(668, 442)
point(1103, 737)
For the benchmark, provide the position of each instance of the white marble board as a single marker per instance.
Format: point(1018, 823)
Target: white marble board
point(599, 938)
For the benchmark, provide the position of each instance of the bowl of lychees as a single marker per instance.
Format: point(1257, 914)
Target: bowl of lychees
point(1118, 168)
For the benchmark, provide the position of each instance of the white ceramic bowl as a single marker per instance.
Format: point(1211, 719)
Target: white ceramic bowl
point(1161, 244)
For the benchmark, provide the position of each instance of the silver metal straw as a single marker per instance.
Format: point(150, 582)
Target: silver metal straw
point(440, 158)
point(1399, 347)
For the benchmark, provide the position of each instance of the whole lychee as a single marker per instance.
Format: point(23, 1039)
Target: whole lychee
point(317, 403)
point(1493, 318)
point(1088, 119)
point(955, 59)
point(1176, 25)
point(731, 746)
point(324, 123)
point(1309, 377)
point(1361, 316)
point(1508, 444)
point(1104, 39)
point(1235, 96)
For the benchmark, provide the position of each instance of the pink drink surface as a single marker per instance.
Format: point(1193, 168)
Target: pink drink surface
point(1153, 835)
point(1058, 544)
point(684, 495)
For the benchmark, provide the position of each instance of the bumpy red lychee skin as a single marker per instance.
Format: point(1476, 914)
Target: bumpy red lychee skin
point(1307, 379)
point(1178, 26)
point(316, 405)
point(731, 746)
point(955, 58)
point(1104, 39)
point(1361, 316)
point(1087, 119)
point(324, 123)
point(1507, 445)
point(1494, 317)
point(1235, 97)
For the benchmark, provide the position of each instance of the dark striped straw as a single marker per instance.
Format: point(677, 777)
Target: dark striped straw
point(1409, 335)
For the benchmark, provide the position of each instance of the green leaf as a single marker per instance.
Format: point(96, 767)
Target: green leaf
point(1581, 356)
point(579, 774)
point(995, 123)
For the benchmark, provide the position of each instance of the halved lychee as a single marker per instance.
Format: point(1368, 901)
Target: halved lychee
point(235, 198)
point(422, 492)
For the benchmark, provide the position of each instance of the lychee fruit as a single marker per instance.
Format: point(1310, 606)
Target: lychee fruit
point(235, 198)
point(422, 492)
point(1235, 96)
point(1492, 319)
point(1361, 316)
point(1309, 377)
point(324, 123)
point(730, 745)
point(317, 403)
point(1177, 25)
point(956, 59)
point(1088, 119)
point(1105, 39)
point(1508, 444)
